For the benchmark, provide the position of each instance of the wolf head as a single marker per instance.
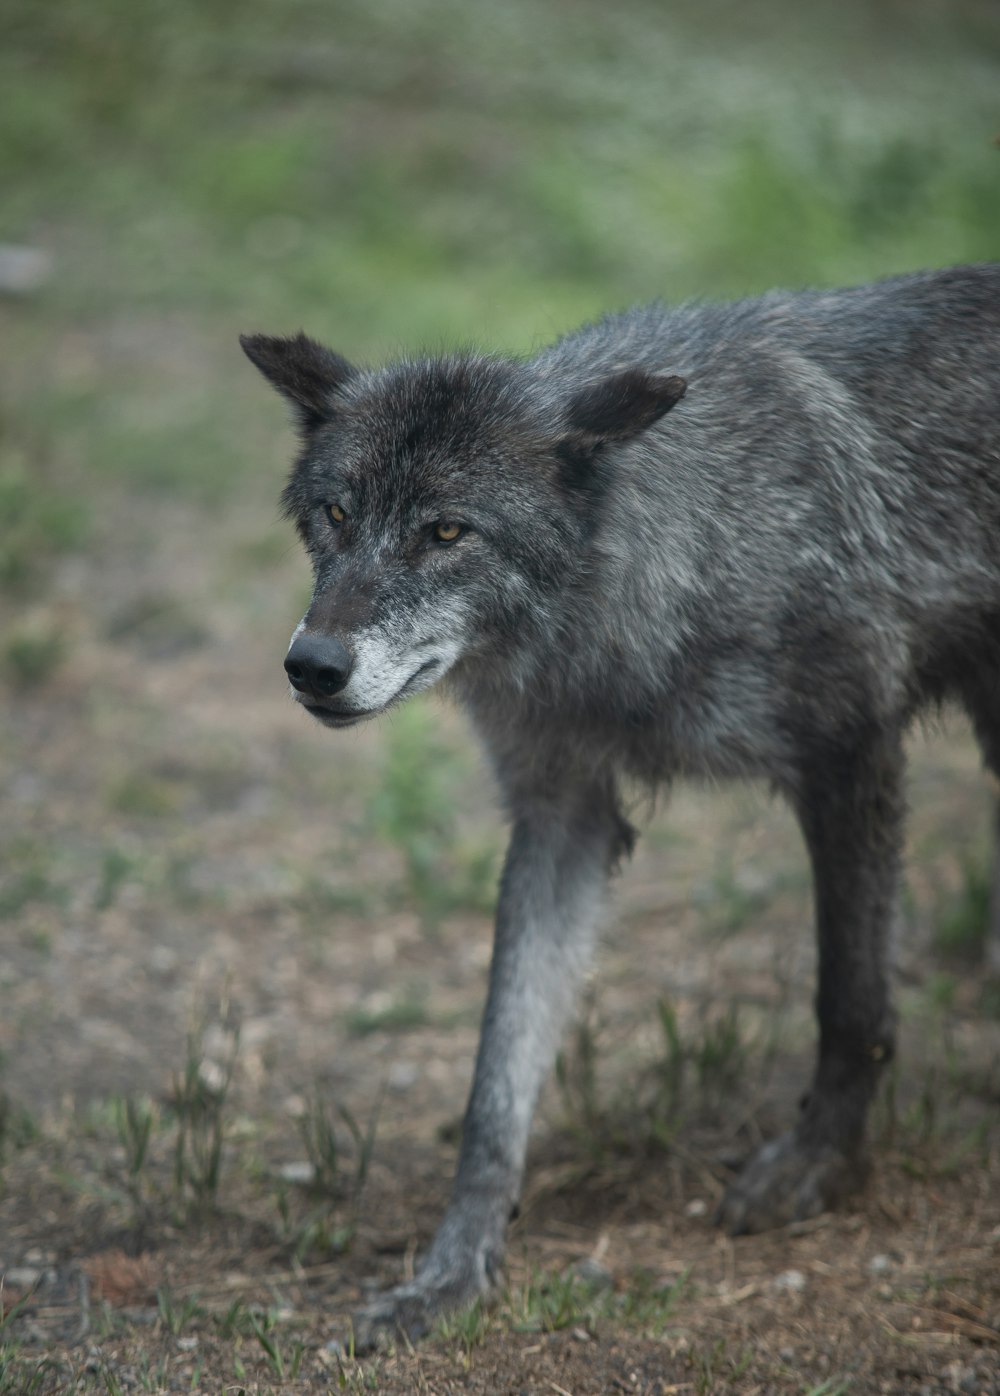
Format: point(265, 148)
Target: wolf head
point(446, 503)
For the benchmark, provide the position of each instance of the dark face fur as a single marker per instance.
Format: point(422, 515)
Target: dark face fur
point(432, 498)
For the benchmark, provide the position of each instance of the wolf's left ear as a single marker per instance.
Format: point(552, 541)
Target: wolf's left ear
point(306, 373)
point(623, 405)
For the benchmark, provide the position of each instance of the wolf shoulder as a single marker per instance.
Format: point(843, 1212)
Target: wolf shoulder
point(859, 422)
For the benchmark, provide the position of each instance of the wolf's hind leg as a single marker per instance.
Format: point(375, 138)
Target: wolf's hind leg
point(551, 897)
point(850, 808)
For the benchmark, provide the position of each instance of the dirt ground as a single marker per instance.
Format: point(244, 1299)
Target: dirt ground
point(199, 887)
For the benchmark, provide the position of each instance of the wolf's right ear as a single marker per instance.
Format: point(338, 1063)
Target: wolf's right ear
point(306, 373)
point(624, 404)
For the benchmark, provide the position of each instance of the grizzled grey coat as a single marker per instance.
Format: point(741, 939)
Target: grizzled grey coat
point(731, 540)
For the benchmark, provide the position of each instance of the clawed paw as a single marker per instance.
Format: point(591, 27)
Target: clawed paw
point(405, 1312)
point(409, 1312)
point(788, 1180)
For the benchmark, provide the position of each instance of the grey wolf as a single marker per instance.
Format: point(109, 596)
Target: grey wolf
point(741, 540)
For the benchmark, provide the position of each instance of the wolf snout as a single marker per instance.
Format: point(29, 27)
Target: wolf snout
point(318, 666)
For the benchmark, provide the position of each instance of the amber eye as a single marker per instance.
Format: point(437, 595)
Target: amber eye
point(337, 515)
point(447, 532)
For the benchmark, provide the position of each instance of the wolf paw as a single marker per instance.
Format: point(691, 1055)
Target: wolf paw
point(788, 1180)
point(409, 1311)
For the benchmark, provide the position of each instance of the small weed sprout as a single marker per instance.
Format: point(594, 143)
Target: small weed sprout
point(17, 1128)
point(670, 1075)
point(717, 1053)
point(319, 1135)
point(236, 1322)
point(699, 1069)
point(648, 1305)
point(135, 1122)
point(33, 653)
point(40, 522)
point(175, 1314)
point(402, 1015)
point(339, 1170)
point(465, 1329)
point(199, 1100)
point(962, 924)
point(357, 1377)
point(720, 1054)
point(732, 901)
point(7, 1316)
point(116, 866)
point(550, 1302)
point(324, 1151)
point(28, 876)
point(262, 1327)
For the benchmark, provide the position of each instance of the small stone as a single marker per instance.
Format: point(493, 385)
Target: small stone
point(787, 1354)
point(592, 1273)
point(22, 1276)
point(163, 959)
point(23, 269)
point(301, 1172)
point(212, 1075)
point(793, 1280)
point(697, 1207)
point(335, 1347)
point(402, 1076)
point(187, 1344)
point(879, 1264)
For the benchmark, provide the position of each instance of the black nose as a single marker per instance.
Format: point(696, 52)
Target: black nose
point(318, 665)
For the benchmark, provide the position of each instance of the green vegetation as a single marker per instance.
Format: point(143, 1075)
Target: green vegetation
point(402, 1015)
point(698, 1069)
point(550, 1301)
point(39, 522)
point(198, 1100)
point(29, 876)
point(339, 1172)
point(135, 1121)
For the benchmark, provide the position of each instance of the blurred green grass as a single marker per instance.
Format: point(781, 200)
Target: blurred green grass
point(414, 174)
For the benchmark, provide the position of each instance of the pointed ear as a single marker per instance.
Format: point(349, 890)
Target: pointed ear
point(304, 372)
point(623, 405)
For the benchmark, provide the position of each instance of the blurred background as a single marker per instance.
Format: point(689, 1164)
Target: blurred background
point(385, 174)
point(236, 945)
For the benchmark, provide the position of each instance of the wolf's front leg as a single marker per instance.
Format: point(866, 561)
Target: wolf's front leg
point(551, 896)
